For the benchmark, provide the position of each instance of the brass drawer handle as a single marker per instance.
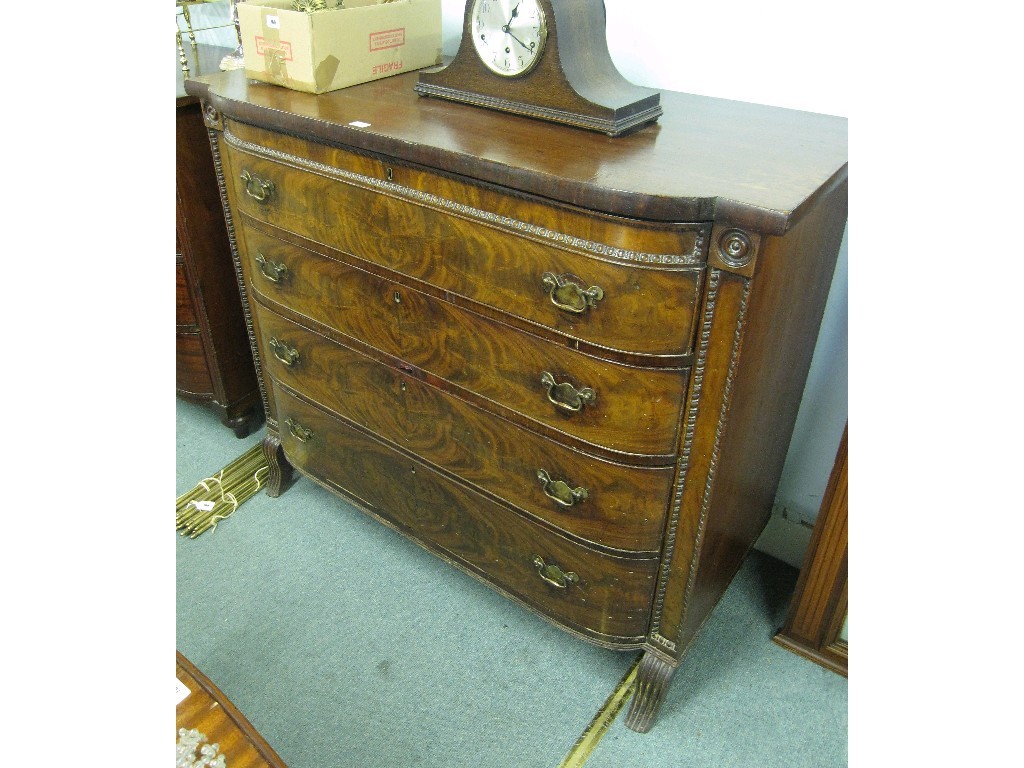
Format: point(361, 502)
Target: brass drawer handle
point(298, 431)
point(560, 491)
point(258, 189)
point(554, 575)
point(567, 295)
point(565, 395)
point(287, 355)
point(274, 271)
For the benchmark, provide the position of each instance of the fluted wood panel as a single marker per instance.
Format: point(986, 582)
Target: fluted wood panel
point(819, 606)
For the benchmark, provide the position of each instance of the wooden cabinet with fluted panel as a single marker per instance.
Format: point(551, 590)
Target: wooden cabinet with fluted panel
point(566, 363)
point(815, 626)
point(214, 361)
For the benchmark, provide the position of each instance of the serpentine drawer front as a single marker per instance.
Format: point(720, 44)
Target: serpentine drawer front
point(482, 356)
point(567, 282)
point(568, 364)
point(620, 506)
point(607, 598)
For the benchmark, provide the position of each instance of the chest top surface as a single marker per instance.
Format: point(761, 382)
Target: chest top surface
point(706, 159)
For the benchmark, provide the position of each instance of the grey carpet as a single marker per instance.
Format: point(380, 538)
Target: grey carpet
point(345, 644)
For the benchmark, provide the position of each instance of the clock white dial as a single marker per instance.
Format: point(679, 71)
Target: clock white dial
point(509, 35)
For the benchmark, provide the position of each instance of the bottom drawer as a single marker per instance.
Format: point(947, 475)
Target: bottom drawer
point(193, 372)
point(603, 597)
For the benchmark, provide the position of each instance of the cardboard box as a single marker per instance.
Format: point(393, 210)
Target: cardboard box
point(326, 50)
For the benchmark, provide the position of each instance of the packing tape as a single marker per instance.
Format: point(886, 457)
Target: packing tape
point(273, 51)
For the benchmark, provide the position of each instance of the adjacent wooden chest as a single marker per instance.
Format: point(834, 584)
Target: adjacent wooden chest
point(568, 364)
point(214, 361)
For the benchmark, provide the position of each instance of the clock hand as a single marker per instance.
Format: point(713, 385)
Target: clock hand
point(515, 12)
point(527, 47)
point(507, 29)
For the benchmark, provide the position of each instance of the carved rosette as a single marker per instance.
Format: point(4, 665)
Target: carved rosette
point(211, 117)
point(734, 250)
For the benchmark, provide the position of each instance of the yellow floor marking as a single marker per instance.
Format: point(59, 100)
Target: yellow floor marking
point(602, 721)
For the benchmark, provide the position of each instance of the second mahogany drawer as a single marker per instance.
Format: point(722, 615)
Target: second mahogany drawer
point(619, 507)
point(634, 411)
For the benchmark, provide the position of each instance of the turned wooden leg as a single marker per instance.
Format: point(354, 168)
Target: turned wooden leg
point(280, 470)
point(240, 424)
point(652, 679)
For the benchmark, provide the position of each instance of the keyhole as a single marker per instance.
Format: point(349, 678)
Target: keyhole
point(389, 174)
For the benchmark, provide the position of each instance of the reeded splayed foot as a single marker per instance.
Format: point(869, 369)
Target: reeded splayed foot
point(652, 679)
point(280, 470)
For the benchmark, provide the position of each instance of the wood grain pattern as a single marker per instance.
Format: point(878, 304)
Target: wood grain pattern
point(610, 603)
point(625, 508)
point(492, 265)
point(632, 417)
point(706, 159)
point(210, 712)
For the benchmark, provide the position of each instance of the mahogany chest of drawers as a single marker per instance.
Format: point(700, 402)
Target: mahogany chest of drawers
point(568, 364)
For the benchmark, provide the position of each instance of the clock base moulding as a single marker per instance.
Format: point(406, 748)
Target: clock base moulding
point(571, 80)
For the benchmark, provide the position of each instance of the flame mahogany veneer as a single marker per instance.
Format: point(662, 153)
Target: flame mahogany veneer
point(568, 364)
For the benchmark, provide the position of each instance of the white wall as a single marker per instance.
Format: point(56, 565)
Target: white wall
point(789, 53)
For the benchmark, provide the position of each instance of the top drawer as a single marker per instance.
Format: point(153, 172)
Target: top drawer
point(608, 282)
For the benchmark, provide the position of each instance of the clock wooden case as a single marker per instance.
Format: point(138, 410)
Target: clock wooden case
point(571, 79)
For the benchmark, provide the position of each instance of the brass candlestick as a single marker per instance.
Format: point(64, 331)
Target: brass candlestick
point(234, 59)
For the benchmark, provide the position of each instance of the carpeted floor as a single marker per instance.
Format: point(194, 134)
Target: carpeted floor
point(346, 644)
